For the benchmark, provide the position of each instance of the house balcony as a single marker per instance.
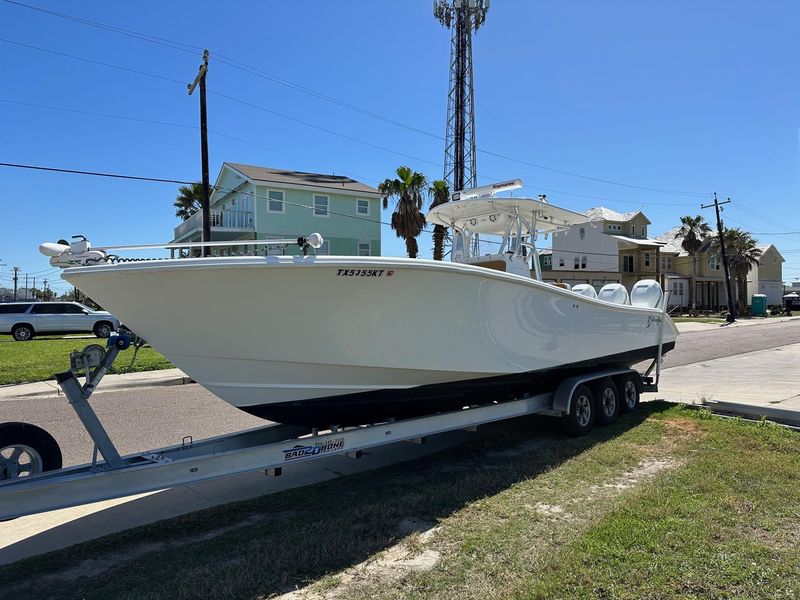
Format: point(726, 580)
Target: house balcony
point(226, 224)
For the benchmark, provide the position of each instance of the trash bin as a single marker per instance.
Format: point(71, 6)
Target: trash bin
point(759, 304)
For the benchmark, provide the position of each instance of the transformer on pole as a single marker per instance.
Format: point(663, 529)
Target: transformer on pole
point(462, 17)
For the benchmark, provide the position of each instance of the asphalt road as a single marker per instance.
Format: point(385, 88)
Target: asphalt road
point(147, 418)
point(696, 346)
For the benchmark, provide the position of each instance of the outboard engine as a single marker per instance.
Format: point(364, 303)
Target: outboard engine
point(584, 289)
point(78, 253)
point(647, 293)
point(614, 292)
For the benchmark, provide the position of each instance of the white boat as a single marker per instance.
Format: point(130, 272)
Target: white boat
point(324, 340)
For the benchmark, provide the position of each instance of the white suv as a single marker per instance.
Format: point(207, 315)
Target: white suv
point(23, 320)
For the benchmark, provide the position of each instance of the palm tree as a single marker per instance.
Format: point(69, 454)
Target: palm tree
point(693, 231)
point(189, 200)
point(407, 220)
point(742, 254)
point(440, 193)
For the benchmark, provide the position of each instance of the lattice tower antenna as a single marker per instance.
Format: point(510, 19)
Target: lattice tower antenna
point(463, 18)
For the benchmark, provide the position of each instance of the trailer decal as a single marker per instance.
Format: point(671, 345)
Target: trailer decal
point(334, 445)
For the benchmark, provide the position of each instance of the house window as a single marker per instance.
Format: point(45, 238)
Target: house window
point(713, 263)
point(363, 248)
point(560, 261)
point(362, 207)
point(321, 206)
point(646, 259)
point(666, 263)
point(583, 262)
point(614, 227)
point(325, 249)
point(627, 263)
point(644, 231)
point(677, 288)
point(583, 233)
point(577, 263)
point(633, 230)
point(547, 261)
point(275, 201)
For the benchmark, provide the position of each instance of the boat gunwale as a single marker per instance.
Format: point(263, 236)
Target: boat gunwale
point(252, 262)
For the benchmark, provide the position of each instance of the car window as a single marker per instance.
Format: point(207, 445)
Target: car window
point(72, 309)
point(47, 309)
point(7, 309)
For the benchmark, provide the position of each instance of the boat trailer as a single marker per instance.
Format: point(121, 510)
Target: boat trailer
point(40, 485)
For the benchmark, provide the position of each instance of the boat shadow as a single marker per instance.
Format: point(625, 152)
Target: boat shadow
point(275, 543)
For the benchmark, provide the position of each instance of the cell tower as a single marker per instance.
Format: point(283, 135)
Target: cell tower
point(462, 17)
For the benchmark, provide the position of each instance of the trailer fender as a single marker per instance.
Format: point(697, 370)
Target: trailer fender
point(566, 388)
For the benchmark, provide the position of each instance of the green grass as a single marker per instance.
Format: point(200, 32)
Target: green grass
point(669, 503)
point(41, 357)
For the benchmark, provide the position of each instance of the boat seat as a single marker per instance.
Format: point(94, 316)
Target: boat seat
point(647, 293)
point(614, 292)
point(584, 289)
point(497, 265)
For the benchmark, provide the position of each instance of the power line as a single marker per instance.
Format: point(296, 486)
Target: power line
point(94, 173)
point(94, 62)
point(281, 81)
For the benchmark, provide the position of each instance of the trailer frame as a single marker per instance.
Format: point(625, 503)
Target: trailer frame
point(270, 448)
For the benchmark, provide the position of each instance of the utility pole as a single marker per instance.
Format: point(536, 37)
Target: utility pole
point(16, 277)
point(731, 308)
point(44, 290)
point(26, 286)
point(201, 79)
point(34, 289)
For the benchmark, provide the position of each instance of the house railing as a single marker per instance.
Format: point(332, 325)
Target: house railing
point(224, 218)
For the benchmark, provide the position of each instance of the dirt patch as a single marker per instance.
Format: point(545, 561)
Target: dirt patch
point(646, 469)
point(394, 563)
point(691, 426)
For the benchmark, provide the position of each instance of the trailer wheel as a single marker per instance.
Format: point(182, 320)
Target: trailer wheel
point(582, 411)
point(26, 450)
point(629, 392)
point(607, 398)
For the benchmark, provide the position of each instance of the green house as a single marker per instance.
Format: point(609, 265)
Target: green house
point(260, 203)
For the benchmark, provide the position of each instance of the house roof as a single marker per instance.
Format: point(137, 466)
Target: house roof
point(672, 245)
point(300, 178)
point(606, 214)
point(767, 247)
point(672, 242)
point(638, 242)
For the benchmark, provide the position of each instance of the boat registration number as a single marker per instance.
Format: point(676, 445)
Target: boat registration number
point(364, 272)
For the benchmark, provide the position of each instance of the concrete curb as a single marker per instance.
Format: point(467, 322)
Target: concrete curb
point(122, 381)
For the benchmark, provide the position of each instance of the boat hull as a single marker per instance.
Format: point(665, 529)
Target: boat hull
point(343, 340)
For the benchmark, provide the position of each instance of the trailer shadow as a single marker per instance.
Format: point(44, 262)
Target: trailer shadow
point(278, 542)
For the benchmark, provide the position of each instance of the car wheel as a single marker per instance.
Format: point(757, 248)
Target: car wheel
point(22, 333)
point(102, 329)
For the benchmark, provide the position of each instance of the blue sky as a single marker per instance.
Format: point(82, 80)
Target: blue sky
point(676, 96)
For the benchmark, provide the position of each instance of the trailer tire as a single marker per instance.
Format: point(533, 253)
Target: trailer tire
point(28, 449)
point(582, 411)
point(629, 386)
point(607, 399)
